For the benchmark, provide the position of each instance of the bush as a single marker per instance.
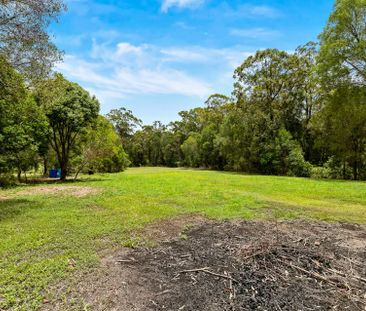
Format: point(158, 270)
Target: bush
point(338, 169)
point(297, 166)
point(320, 172)
point(286, 157)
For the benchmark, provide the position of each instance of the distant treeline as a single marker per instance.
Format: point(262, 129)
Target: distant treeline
point(297, 114)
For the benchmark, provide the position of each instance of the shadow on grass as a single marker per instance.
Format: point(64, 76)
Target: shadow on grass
point(48, 181)
point(11, 208)
point(257, 174)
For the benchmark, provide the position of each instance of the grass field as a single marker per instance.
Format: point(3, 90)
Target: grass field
point(47, 235)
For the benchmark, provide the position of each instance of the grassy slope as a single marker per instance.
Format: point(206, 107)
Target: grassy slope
point(44, 238)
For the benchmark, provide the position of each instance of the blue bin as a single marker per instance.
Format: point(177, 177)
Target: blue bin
point(58, 173)
point(53, 173)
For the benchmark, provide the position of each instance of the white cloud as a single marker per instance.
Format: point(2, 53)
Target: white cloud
point(244, 11)
point(168, 4)
point(183, 55)
point(229, 57)
point(114, 72)
point(260, 10)
point(127, 48)
point(255, 33)
point(109, 76)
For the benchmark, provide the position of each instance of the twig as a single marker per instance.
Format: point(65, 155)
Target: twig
point(313, 274)
point(345, 275)
point(340, 273)
point(167, 291)
point(205, 270)
point(318, 276)
point(125, 260)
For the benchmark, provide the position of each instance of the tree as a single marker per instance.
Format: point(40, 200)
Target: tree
point(70, 110)
point(342, 69)
point(99, 147)
point(22, 122)
point(217, 100)
point(191, 150)
point(124, 122)
point(343, 127)
point(312, 96)
point(342, 58)
point(23, 35)
point(272, 81)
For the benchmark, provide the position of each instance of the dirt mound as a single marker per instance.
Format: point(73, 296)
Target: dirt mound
point(235, 266)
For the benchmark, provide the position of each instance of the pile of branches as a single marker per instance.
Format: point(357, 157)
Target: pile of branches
point(281, 276)
point(243, 266)
point(295, 275)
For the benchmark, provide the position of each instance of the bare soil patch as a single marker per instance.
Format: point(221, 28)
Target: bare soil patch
point(236, 265)
point(75, 191)
point(166, 230)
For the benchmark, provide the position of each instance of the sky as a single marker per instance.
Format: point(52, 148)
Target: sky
point(159, 57)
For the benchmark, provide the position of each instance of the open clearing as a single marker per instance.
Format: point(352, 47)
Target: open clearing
point(61, 250)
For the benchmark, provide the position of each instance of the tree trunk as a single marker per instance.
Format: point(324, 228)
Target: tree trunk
point(19, 175)
point(63, 165)
point(45, 166)
point(79, 170)
point(355, 170)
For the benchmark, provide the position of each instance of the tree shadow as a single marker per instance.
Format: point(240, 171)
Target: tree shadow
point(57, 181)
point(11, 208)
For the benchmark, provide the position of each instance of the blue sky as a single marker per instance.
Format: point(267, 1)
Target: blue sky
point(158, 57)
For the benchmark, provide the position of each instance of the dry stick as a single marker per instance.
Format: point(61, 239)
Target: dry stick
point(317, 275)
point(314, 274)
point(353, 260)
point(346, 275)
point(254, 255)
point(125, 261)
point(209, 272)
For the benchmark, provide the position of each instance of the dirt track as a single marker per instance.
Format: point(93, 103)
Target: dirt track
point(242, 265)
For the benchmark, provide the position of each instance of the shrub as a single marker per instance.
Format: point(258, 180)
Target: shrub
point(320, 172)
point(297, 166)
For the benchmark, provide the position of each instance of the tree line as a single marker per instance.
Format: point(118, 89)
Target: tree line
point(46, 121)
point(297, 114)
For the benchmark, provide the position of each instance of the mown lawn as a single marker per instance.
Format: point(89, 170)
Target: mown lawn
point(45, 237)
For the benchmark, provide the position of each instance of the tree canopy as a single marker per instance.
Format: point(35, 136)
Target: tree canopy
point(69, 110)
point(24, 39)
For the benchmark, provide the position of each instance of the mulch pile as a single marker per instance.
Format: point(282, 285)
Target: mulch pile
point(289, 265)
point(256, 266)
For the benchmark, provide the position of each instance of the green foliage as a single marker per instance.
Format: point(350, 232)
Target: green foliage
point(23, 35)
point(342, 58)
point(342, 70)
point(320, 172)
point(69, 109)
point(191, 150)
point(99, 149)
point(343, 123)
point(22, 122)
point(297, 164)
point(124, 122)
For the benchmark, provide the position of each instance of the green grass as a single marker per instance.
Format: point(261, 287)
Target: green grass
point(44, 238)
